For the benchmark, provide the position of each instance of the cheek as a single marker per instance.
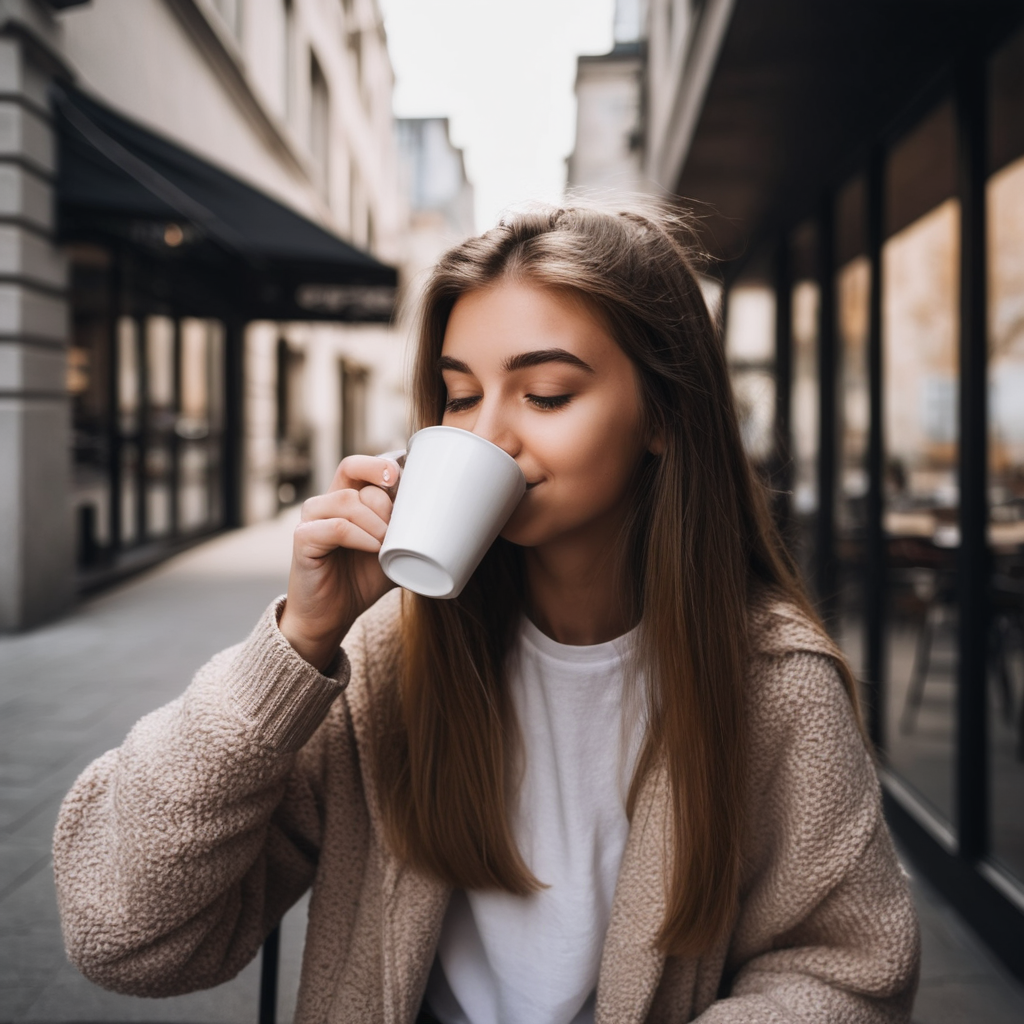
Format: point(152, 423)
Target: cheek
point(599, 453)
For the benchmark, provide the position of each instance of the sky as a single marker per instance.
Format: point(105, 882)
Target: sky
point(503, 72)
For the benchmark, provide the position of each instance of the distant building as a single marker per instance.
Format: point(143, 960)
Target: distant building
point(195, 197)
point(608, 152)
point(439, 194)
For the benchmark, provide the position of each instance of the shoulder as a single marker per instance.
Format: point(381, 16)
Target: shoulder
point(797, 687)
point(790, 652)
point(779, 627)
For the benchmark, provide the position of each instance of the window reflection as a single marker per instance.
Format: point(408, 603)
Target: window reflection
point(1005, 198)
point(920, 275)
point(806, 300)
point(193, 426)
point(853, 287)
point(750, 351)
point(161, 415)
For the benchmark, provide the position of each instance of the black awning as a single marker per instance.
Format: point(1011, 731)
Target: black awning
point(222, 241)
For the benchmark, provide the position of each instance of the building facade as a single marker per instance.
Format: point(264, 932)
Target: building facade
point(440, 196)
point(607, 157)
point(858, 170)
point(201, 218)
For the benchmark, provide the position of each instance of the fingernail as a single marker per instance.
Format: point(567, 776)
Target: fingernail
point(387, 475)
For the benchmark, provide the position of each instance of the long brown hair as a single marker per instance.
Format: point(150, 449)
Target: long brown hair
point(701, 542)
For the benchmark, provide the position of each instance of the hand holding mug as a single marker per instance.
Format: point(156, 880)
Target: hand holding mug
point(335, 575)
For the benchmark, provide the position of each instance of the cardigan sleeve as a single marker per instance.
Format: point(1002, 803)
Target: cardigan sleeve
point(826, 930)
point(176, 854)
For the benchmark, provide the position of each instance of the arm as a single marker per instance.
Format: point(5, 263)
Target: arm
point(178, 852)
point(826, 930)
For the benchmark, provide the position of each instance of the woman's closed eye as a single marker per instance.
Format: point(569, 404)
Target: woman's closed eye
point(461, 404)
point(545, 402)
point(549, 401)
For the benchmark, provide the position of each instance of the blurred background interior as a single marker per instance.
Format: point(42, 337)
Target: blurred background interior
point(213, 227)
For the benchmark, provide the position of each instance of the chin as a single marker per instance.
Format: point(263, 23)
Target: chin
point(521, 531)
point(527, 532)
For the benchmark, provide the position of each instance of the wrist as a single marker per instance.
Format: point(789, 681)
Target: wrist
point(319, 650)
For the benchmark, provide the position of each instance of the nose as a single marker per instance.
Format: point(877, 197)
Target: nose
point(494, 424)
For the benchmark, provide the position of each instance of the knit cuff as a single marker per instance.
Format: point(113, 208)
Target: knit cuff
point(277, 690)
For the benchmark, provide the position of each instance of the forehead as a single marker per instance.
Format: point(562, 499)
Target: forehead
point(509, 317)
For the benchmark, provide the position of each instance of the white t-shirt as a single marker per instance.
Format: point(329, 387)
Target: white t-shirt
point(506, 959)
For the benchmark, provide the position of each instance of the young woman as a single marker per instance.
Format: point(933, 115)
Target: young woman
point(620, 778)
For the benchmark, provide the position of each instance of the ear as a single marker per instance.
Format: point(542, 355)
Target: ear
point(656, 445)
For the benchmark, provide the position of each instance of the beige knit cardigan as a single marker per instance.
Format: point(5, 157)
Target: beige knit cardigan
point(177, 853)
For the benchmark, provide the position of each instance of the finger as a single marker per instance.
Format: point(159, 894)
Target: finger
point(322, 536)
point(356, 470)
point(346, 505)
point(378, 500)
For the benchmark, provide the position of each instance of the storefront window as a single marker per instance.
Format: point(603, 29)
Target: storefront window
point(198, 426)
point(920, 326)
point(805, 394)
point(1005, 199)
point(750, 350)
point(160, 423)
point(853, 292)
point(129, 403)
point(89, 384)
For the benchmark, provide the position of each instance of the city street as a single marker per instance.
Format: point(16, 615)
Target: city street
point(73, 688)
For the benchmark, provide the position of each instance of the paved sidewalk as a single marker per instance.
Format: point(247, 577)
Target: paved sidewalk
point(71, 690)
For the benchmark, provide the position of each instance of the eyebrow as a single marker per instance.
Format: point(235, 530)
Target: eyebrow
point(522, 361)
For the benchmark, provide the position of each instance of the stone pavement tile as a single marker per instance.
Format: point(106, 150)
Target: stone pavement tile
point(71, 690)
point(68, 998)
point(31, 948)
point(20, 803)
point(37, 827)
point(962, 982)
point(19, 862)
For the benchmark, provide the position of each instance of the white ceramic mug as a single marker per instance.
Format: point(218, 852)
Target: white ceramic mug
point(456, 492)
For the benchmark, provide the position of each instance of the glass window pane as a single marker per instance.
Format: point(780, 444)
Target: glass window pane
point(920, 285)
point(804, 399)
point(193, 486)
point(160, 362)
point(128, 379)
point(750, 325)
point(158, 490)
point(129, 494)
point(853, 288)
point(1005, 198)
point(195, 379)
point(215, 370)
point(755, 405)
point(750, 351)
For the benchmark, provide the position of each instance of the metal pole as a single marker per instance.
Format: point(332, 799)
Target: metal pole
point(875, 554)
point(825, 526)
point(234, 392)
point(268, 977)
point(783, 472)
point(972, 563)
